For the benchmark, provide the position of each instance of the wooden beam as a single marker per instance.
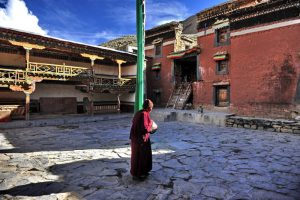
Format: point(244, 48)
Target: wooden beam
point(92, 57)
point(26, 45)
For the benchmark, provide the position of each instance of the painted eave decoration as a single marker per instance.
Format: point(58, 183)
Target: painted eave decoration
point(221, 56)
point(156, 67)
point(186, 52)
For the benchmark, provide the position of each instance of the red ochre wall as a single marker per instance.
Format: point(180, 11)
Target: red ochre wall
point(164, 83)
point(203, 90)
point(263, 71)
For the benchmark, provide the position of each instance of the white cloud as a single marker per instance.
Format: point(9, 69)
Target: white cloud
point(106, 35)
point(85, 37)
point(16, 15)
point(163, 12)
point(157, 13)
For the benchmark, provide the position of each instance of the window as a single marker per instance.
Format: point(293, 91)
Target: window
point(157, 75)
point(222, 95)
point(222, 36)
point(156, 70)
point(158, 50)
point(222, 67)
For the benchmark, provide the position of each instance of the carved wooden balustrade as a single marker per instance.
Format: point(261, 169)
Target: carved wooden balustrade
point(44, 71)
point(12, 77)
point(111, 83)
point(57, 72)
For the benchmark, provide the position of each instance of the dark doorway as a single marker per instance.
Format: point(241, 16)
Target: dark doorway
point(185, 70)
point(157, 97)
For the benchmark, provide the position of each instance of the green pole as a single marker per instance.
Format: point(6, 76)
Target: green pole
point(140, 19)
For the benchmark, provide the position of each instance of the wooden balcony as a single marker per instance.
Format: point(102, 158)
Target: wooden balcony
point(12, 77)
point(44, 71)
point(57, 72)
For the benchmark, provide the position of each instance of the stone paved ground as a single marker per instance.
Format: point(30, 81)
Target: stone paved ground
point(191, 161)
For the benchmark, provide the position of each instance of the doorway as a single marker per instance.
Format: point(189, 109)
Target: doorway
point(185, 70)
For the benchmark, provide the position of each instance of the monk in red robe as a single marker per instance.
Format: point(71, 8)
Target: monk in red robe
point(141, 153)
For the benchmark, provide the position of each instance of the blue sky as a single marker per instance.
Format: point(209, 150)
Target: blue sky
point(92, 21)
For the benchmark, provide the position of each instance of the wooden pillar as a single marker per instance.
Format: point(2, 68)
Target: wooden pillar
point(119, 103)
point(90, 91)
point(120, 62)
point(27, 53)
point(27, 105)
point(91, 95)
point(27, 58)
point(92, 61)
point(92, 103)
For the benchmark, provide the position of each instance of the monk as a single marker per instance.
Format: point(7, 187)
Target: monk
point(141, 153)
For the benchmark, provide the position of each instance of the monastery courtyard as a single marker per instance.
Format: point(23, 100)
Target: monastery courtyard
point(190, 161)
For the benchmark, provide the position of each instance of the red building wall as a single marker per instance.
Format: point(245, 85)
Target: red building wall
point(265, 67)
point(203, 90)
point(263, 71)
point(164, 83)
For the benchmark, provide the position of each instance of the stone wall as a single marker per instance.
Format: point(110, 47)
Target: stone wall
point(285, 126)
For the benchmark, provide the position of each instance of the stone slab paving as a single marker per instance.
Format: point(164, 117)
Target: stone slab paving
point(191, 161)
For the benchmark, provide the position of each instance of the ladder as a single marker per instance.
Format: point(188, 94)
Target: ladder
point(179, 96)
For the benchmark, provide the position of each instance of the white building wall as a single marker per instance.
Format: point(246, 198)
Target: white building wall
point(59, 90)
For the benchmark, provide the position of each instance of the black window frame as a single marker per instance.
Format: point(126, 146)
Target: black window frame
point(156, 46)
point(215, 91)
point(218, 66)
point(218, 34)
point(157, 74)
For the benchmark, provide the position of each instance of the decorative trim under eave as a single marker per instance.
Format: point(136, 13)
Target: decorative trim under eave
point(265, 28)
point(252, 30)
point(164, 44)
point(156, 67)
point(220, 24)
point(180, 54)
point(220, 56)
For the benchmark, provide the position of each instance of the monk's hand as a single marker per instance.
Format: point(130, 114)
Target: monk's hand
point(146, 137)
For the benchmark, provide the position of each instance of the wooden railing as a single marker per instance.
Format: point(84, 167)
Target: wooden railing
point(63, 73)
point(103, 81)
point(106, 108)
point(56, 72)
point(11, 76)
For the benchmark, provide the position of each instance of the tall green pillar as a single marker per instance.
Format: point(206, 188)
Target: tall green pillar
point(140, 28)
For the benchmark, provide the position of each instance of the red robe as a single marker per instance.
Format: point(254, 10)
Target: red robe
point(141, 154)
